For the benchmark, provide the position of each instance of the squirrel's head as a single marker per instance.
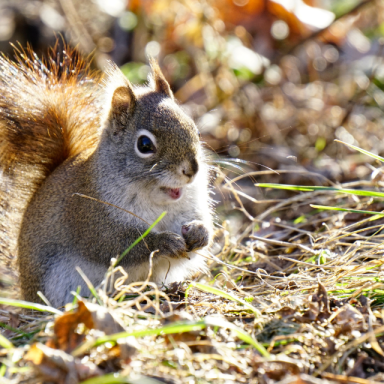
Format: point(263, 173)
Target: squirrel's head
point(152, 142)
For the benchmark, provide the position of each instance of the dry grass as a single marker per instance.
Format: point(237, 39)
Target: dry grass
point(296, 295)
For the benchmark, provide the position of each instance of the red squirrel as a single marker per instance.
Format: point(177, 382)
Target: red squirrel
point(66, 131)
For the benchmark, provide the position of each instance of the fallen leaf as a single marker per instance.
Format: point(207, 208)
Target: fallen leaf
point(286, 312)
point(321, 297)
point(348, 319)
point(93, 316)
point(310, 315)
point(59, 367)
point(276, 370)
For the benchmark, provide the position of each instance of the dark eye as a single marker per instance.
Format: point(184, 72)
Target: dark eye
point(145, 145)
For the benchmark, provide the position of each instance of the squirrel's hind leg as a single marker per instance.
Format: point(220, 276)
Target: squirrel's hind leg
point(62, 278)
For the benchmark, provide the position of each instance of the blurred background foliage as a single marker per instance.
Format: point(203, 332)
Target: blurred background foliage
point(273, 82)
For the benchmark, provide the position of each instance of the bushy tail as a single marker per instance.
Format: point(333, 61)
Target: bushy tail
point(49, 111)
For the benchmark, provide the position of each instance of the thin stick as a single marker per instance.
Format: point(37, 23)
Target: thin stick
point(284, 244)
point(112, 205)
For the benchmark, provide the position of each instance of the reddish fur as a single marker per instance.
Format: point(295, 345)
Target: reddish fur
point(49, 112)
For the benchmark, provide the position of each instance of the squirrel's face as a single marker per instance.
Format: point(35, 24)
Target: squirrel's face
point(166, 147)
point(157, 145)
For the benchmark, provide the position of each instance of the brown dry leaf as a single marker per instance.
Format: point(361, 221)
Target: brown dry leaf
point(276, 370)
point(66, 337)
point(310, 315)
point(59, 367)
point(321, 297)
point(286, 286)
point(93, 316)
point(176, 288)
point(286, 312)
point(319, 311)
point(349, 314)
point(348, 319)
point(166, 308)
point(364, 304)
point(184, 337)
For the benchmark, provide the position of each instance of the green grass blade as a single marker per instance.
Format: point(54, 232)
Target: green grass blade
point(240, 333)
point(299, 188)
point(370, 154)
point(225, 295)
point(15, 330)
point(140, 238)
point(346, 210)
point(179, 327)
point(5, 343)
point(302, 188)
point(76, 297)
point(28, 305)
point(89, 285)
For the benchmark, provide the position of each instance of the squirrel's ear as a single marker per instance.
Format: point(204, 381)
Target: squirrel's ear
point(123, 101)
point(157, 79)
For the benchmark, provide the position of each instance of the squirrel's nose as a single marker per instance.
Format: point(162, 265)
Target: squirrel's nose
point(190, 169)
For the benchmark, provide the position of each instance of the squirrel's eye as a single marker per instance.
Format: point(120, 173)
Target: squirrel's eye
point(145, 145)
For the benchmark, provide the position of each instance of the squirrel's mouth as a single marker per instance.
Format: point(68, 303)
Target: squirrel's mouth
point(173, 193)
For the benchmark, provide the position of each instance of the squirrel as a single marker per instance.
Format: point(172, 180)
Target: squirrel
point(67, 132)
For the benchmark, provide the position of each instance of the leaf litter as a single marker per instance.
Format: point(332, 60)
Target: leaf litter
point(285, 303)
point(296, 292)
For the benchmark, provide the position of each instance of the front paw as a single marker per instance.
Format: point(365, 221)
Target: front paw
point(195, 234)
point(172, 245)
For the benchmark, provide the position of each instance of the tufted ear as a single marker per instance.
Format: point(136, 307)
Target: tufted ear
point(120, 99)
point(157, 79)
point(123, 102)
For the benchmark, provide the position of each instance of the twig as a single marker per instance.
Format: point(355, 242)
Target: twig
point(348, 379)
point(82, 34)
point(307, 264)
point(110, 204)
point(284, 244)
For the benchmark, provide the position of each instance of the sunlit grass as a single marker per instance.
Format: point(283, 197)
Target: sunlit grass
point(28, 305)
point(175, 328)
point(225, 295)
